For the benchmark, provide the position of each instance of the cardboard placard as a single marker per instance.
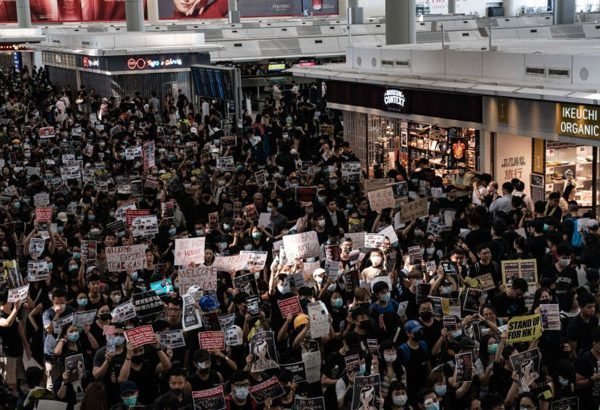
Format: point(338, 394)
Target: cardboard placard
point(247, 284)
point(409, 211)
point(373, 240)
point(358, 239)
point(190, 317)
point(36, 247)
point(319, 319)
point(210, 399)
point(204, 277)
point(297, 369)
point(256, 260)
point(126, 258)
point(189, 250)
point(351, 172)
point(140, 336)
point(313, 403)
point(464, 367)
point(524, 328)
point(131, 214)
point(46, 132)
point(302, 245)
point(225, 164)
point(149, 153)
point(381, 199)
point(375, 184)
point(42, 199)
point(37, 271)
point(212, 340)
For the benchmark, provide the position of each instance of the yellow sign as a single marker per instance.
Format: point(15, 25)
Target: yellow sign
point(579, 121)
point(524, 328)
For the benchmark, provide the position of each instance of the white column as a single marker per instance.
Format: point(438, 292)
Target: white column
point(153, 18)
point(234, 13)
point(355, 13)
point(564, 12)
point(509, 8)
point(400, 21)
point(23, 14)
point(134, 13)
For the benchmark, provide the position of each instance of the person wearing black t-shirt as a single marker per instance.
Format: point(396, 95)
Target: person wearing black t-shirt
point(587, 369)
point(485, 265)
point(204, 377)
point(510, 302)
point(561, 273)
point(579, 333)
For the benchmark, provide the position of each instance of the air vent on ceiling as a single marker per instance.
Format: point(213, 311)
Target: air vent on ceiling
point(403, 63)
point(536, 71)
point(533, 30)
point(466, 34)
point(237, 45)
point(559, 73)
point(318, 41)
point(387, 63)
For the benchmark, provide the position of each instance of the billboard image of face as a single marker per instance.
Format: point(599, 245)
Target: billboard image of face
point(192, 9)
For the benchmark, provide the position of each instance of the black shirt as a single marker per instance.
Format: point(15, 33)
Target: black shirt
point(565, 280)
point(581, 332)
point(509, 307)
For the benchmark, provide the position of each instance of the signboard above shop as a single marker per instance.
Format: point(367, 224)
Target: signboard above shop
point(578, 121)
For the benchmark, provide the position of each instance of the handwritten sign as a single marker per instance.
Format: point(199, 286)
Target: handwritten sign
point(17, 294)
point(302, 245)
point(125, 258)
point(289, 306)
point(413, 210)
point(204, 277)
point(140, 336)
point(381, 199)
point(189, 250)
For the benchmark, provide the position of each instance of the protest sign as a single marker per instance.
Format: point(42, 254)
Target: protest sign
point(226, 321)
point(262, 348)
point(352, 363)
point(519, 268)
point(70, 172)
point(225, 164)
point(81, 319)
point(409, 211)
point(269, 389)
point(373, 240)
point(149, 152)
point(351, 172)
point(527, 366)
point(75, 366)
point(121, 212)
point(314, 403)
point(390, 233)
point(140, 336)
point(247, 284)
point(131, 214)
point(190, 316)
point(550, 314)
point(43, 214)
point(312, 364)
point(125, 258)
point(358, 239)
point(42, 199)
point(212, 340)
point(36, 247)
point(423, 290)
point(319, 319)
point(123, 312)
point(37, 271)
point(189, 250)
point(231, 263)
point(524, 328)
point(256, 260)
point(144, 226)
point(16, 294)
point(570, 403)
point(289, 306)
point(131, 153)
point(147, 304)
point(204, 277)
point(88, 250)
point(366, 392)
point(260, 177)
point(375, 184)
point(210, 399)
point(400, 189)
point(171, 339)
point(60, 322)
point(464, 367)
point(381, 199)
point(162, 287)
point(471, 299)
point(302, 245)
point(485, 282)
point(46, 132)
point(415, 254)
point(297, 369)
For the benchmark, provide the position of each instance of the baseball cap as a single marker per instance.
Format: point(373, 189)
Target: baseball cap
point(466, 343)
point(412, 326)
point(300, 320)
point(127, 387)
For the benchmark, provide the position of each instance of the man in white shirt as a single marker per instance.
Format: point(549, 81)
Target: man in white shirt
point(504, 202)
point(519, 188)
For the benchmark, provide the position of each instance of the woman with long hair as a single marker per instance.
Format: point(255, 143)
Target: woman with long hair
point(94, 397)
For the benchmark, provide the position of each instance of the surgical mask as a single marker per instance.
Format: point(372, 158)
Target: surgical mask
point(376, 261)
point(384, 298)
point(73, 268)
point(337, 302)
point(200, 232)
point(318, 279)
point(82, 301)
point(456, 334)
point(332, 287)
point(269, 209)
point(50, 265)
point(130, 400)
point(76, 255)
point(73, 337)
point(203, 365)
point(283, 289)
point(134, 276)
point(321, 223)
point(115, 298)
point(400, 400)
point(444, 290)
point(440, 390)
point(226, 227)
point(564, 262)
point(5, 249)
point(241, 393)
point(390, 358)
point(322, 199)
point(362, 369)
point(562, 381)
point(172, 231)
point(256, 235)
point(17, 205)
point(492, 348)
point(91, 218)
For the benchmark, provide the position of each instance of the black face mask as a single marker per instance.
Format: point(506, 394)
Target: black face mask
point(104, 316)
point(137, 359)
point(177, 392)
point(426, 316)
point(365, 324)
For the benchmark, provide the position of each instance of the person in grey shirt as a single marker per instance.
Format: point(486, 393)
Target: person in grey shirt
point(503, 203)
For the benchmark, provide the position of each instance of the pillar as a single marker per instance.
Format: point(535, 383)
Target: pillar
point(451, 6)
point(509, 8)
point(400, 21)
point(564, 12)
point(355, 13)
point(23, 14)
point(152, 6)
point(134, 13)
point(234, 13)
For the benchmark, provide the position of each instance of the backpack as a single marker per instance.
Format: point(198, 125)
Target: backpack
point(405, 351)
point(577, 238)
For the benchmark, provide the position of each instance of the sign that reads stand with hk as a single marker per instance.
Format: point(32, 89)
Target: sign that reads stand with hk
point(395, 100)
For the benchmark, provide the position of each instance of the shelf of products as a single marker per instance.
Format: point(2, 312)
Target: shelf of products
point(569, 164)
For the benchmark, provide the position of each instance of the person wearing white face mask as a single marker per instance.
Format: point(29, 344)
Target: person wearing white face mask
point(376, 258)
point(239, 398)
point(391, 371)
point(205, 377)
point(384, 302)
point(561, 272)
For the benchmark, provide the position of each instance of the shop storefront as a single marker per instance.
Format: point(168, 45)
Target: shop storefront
point(551, 146)
point(404, 125)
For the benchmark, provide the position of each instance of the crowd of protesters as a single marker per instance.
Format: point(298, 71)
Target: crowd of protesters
point(427, 316)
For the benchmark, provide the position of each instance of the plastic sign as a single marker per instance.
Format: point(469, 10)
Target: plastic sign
point(394, 97)
point(151, 63)
point(579, 121)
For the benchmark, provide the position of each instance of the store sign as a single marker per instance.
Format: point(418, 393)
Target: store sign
point(394, 100)
point(90, 62)
point(579, 121)
point(149, 63)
